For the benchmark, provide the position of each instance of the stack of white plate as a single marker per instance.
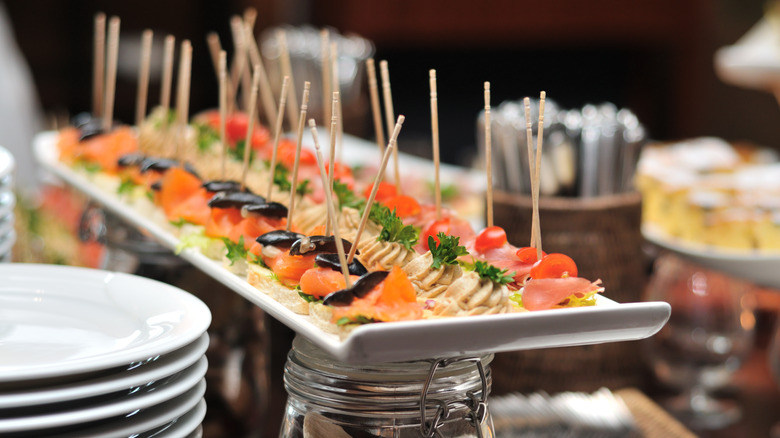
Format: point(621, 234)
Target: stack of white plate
point(7, 203)
point(91, 353)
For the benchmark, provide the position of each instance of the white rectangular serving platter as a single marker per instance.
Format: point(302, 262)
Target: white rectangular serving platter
point(608, 321)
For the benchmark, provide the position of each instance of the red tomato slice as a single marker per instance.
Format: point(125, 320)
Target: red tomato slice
point(383, 193)
point(404, 205)
point(528, 254)
point(554, 265)
point(490, 237)
point(450, 226)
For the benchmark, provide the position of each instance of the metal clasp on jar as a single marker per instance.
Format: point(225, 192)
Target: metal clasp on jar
point(477, 404)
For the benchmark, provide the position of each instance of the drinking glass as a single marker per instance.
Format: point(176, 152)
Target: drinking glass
point(708, 335)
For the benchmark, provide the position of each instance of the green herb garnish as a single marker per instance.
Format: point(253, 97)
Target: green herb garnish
point(346, 197)
point(235, 251)
point(493, 273)
point(309, 298)
point(303, 187)
point(447, 251)
point(393, 229)
point(178, 223)
point(206, 136)
point(125, 187)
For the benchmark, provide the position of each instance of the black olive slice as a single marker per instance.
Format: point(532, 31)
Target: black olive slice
point(235, 200)
point(92, 128)
point(279, 238)
point(269, 209)
point(129, 160)
point(330, 260)
point(156, 186)
point(317, 244)
point(223, 186)
point(361, 288)
point(163, 164)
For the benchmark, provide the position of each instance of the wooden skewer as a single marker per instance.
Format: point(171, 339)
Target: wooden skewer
point(332, 162)
point(331, 209)
point(488, 157)
point(286, 66)
point(223, 110)
point(379, 176)
point(250, 126)
point(333, 130)
point(537, 172)
point(435, 139)
point(98, 67)
point(266, 93)
point(167, 77)
point(183, 96)
point(113, 54)
point(373, 90)
point(326, 72)
point(277, 133)
point(143, 76)
point(334, 60)
point(294, 185)
point(389, 115)
point(531, 166)
point(215, 49)
point(239, 75)
point(250, 17)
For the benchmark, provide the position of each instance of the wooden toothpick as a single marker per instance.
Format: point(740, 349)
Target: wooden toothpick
point(183, 97)
point(250, 126)
point(113, 54)
point(373, 90)
point(538, 171)
point(277, 133)
point(167, 78)
point(301, 121)
point(286, 67)
point(326, 72)
point(379, 176)
point(215, 49)
point(389, 115)
point(435, 140)
point(531, 166)
point(332, 162)
point(488, 157)
point(223, 110)
point(331, 210)
point(266, 93)
point(334, 54)
point(239, 75)
point(143, 76)
point(99, 64)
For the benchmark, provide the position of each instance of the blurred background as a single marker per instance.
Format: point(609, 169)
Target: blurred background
point(653, 57)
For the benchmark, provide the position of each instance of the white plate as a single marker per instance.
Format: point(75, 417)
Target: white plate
point(6, 224)
point(185, 425)
point(762, 268)
point(7, 202)
point(185, 408)
point(136, 375)
point(447, 337)
point(61, 320)
point(7, 163)
point(6, 245)
point(98, 410)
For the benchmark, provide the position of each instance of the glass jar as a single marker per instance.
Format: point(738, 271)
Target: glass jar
point(330, 398)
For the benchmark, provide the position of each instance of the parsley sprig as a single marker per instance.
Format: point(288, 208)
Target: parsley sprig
point(447, 251)
point(393, 229)
point(492, 273)
point(235, 251)
point(346, 197)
